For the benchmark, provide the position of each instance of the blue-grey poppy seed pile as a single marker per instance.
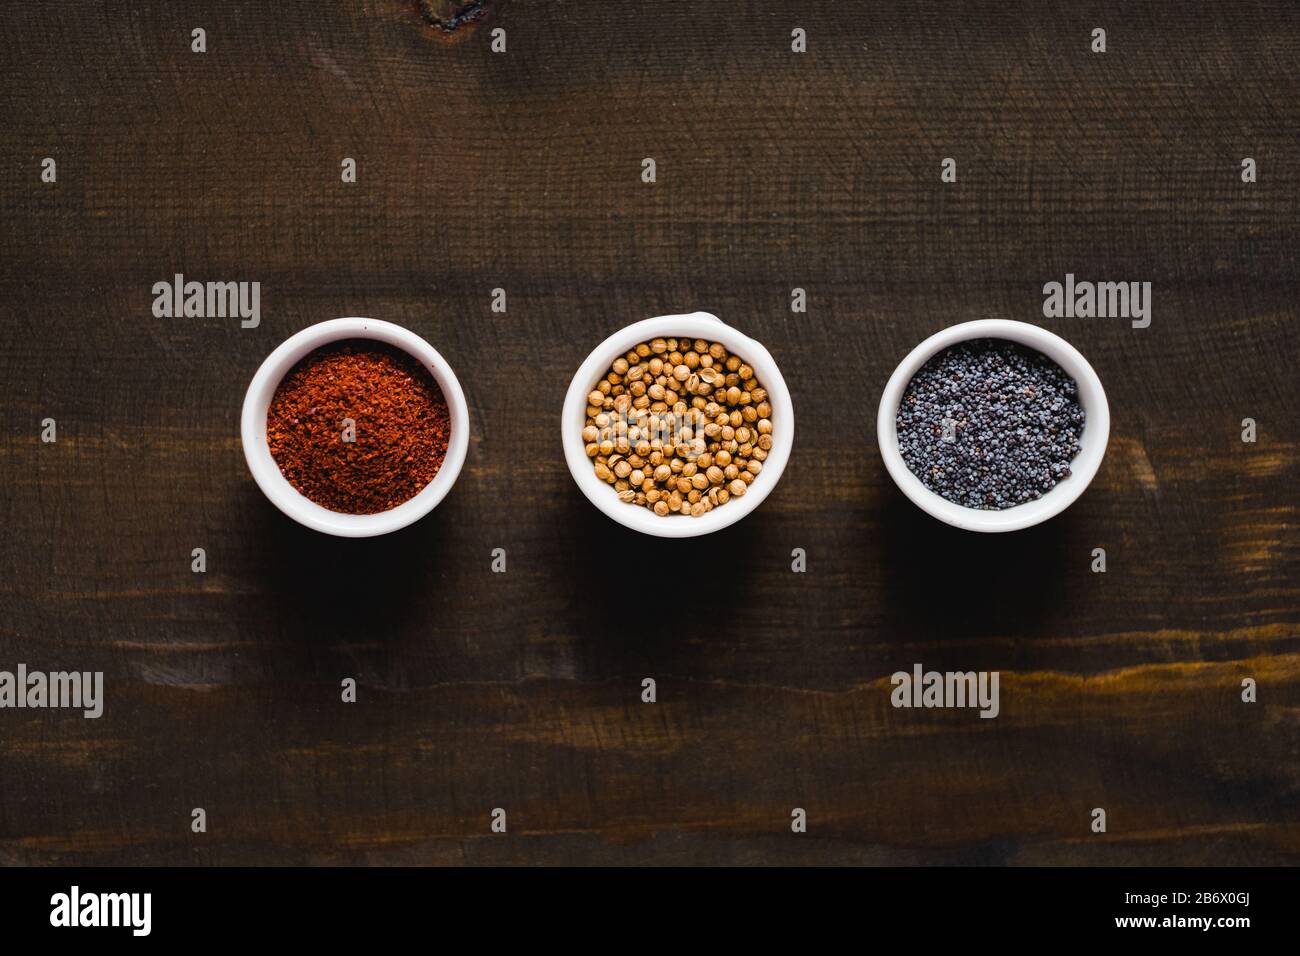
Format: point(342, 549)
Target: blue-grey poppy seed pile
point(990, 424)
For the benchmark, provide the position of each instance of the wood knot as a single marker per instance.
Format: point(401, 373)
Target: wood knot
point(451, 15)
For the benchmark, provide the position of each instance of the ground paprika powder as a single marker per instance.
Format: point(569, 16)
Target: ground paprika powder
point(358, 427)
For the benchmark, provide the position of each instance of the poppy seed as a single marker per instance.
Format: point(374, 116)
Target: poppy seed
point(990, 424)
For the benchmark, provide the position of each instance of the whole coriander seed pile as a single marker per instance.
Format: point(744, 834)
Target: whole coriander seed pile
point(678, 426)
point(990, 424)
point(397, 441)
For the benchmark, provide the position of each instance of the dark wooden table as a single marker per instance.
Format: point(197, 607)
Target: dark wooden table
point(522, 170)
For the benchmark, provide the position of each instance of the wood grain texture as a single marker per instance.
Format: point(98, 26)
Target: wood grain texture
point(521, 171)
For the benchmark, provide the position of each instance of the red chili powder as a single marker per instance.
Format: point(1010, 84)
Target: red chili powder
point(401, 431)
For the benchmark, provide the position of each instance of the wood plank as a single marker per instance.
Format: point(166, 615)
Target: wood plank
point(522, 171)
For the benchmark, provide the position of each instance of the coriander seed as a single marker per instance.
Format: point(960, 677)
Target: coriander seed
point(678, 426)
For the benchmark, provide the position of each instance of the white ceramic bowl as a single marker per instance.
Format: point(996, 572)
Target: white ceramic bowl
point(696, 325)
point(1092, 443)
point(287, 498)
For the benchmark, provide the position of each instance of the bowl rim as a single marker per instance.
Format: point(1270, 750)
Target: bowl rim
point(1093, 441)
point(288, 499)
point(696, 325)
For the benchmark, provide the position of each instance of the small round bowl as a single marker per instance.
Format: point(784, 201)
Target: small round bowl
point(696, 325)
point(284, 495)
point(1092, 443)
